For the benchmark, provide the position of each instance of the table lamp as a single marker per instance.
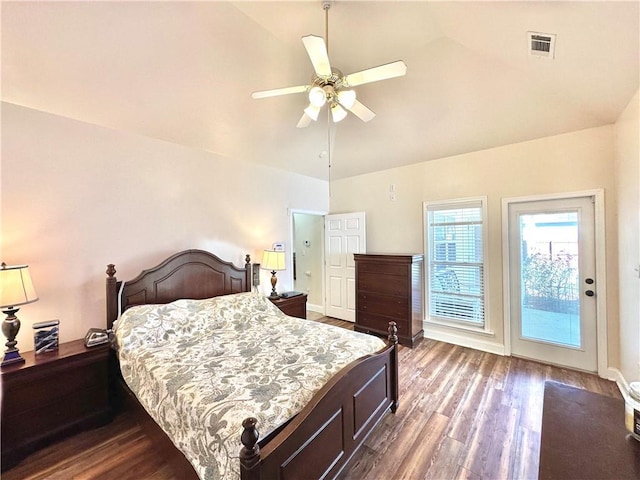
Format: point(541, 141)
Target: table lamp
point(273, 261)
point(16, 289)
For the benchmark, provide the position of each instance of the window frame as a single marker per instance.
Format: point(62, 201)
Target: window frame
point(450, 204)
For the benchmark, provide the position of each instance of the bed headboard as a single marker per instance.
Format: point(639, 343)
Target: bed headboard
point(193, 274)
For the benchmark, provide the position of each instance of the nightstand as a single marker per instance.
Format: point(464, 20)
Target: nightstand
point(292, 306)
point(52, 395)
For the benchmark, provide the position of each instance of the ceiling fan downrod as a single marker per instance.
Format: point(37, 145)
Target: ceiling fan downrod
point(326, 6)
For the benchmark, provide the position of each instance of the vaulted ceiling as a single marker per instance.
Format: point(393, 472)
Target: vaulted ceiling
point(184, 72)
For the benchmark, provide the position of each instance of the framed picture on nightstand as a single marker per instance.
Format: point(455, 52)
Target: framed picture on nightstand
point(45, 336)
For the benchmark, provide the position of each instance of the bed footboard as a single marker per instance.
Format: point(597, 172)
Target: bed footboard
point(323, 437)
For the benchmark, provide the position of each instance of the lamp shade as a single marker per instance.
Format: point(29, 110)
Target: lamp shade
point(16, 287)
point(272, 260)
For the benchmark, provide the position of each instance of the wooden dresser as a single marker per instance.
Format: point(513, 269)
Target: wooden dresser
point(292, 306)
point(52, 395)
point(390, 288)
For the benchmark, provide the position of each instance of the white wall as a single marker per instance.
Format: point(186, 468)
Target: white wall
point(627, 172)
point(571, 162)
point(76, 197)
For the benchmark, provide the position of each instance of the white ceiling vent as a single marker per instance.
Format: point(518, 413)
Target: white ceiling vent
point(541, 44)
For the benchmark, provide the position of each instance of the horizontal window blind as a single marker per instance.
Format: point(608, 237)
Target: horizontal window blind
point(455, 261)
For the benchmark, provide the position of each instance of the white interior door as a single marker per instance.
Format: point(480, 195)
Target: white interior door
point(345, 234)
point(552, 281)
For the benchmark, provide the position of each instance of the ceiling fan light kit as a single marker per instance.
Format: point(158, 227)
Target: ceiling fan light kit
point(317, 97)
point(347, 98)
point(329, 86)
point(338, 113)
point(312, 111)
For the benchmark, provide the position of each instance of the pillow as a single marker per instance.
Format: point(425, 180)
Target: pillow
point(186, 320)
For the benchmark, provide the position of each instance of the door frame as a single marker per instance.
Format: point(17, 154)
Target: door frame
point(290, 212)
point(600, 266)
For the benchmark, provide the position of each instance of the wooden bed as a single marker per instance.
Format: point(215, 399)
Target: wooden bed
point(320, 440)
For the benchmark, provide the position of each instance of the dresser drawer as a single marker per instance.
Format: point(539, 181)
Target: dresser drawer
point(384, 284)
point(65, 412)
point(22, 396)
point(395, 307)
point(380, 324)
point(382, 268)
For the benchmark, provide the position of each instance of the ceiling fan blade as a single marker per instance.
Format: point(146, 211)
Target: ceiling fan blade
point(312, 112)
point(382, 72)
point(317, 51)
point(304, 121)
point(362, 112)
point(280, 91)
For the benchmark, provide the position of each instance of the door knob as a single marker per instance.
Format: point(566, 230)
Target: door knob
point(588, 281)
point(589, 293)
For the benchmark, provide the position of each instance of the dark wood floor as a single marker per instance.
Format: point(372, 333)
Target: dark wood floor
point(463, 414)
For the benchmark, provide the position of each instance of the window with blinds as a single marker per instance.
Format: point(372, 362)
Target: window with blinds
point(455, 260)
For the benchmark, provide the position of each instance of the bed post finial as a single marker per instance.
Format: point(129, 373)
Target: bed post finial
point(111, 270)
point(250, 452)
point(395, 388)
point(248, 282)
point(393, 333)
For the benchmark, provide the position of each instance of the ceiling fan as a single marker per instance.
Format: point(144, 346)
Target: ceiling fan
point(328, 85)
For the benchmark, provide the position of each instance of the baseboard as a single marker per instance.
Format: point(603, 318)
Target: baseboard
point(616, 375)
point(463, 340)
point(315, 308)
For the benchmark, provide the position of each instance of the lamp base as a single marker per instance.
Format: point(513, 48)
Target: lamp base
point(10, 328)
point(11, 357)
point(274, 281)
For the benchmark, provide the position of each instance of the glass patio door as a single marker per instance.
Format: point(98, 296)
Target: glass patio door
point(552, 275)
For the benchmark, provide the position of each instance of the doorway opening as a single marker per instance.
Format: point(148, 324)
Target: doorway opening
point(308, 258)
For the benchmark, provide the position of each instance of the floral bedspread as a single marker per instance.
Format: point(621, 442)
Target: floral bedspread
point(200, 367)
